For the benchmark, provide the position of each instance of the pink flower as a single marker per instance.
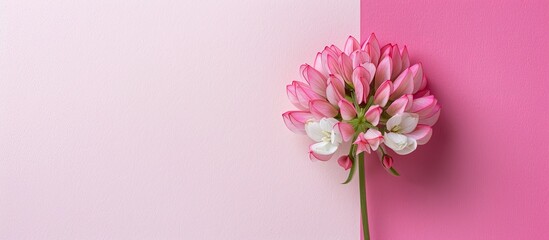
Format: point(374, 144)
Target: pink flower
point(369, 140)
point(345, 162)
point(366, 94)
point(295, 120)
point(387, 161)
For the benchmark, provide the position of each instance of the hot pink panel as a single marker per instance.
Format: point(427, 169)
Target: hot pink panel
point(484, 173)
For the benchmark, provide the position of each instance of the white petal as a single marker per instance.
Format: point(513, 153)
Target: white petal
point(394, 121)
point(411, 145)
point(327, 124)
point(324, 148)
point(313, 130)
point(335, 137)
point(409, 122)
point(395, 141)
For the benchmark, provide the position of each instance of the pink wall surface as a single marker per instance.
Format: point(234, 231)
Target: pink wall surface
point(162, 120)
point(484, 173)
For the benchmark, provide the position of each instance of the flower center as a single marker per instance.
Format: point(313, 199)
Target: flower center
point(327, 136)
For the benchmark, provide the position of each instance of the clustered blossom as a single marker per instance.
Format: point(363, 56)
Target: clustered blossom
point(367, 95)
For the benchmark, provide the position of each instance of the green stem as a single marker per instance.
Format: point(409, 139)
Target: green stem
point(363, 206)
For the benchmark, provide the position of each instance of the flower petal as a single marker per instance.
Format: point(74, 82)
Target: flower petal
point(397, 61)
point(395, 141)
point(335, 90)
point(387, 161)
point(424, 106)
point(403, 84)
point(345, 130)
point(345, 162)
point(351, 45)
point(292, 95)
point(421, 134)
point(409, 122)
point(347, 109)
point(361, 144)
point(361, 84)
point(295, 120)
point(322, 109)
point(316, 80)
point(304, 94)
point(346, 67)
point(328, 124)
point(411, 145)
point(384, 70)
point(313, 130)
point(373, 114)
point(371, 68)
point(374, 138)
point(402, 122)
point(417, 73)
point(381, 97)
point(315, 156)
point(431, 120)
point(400, 105)
point(359, 57)
point(318, 64)
point(371, 46)
point(323, 148)
point(405, 58)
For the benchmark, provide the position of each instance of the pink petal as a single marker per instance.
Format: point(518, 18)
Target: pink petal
point(335, 90)
point(359, 57)
point(346, 67)
point(315, 156)
point(361, 144)
point(404, 84)
point(336, 50)
point(373, 114)
point(316, 80)
point(381, 97)
point(374, 138)
point(400, 105)
point(295, 120)
point(383, 71)
point(292, 95)
point(417, 73)
point(322, 109)
point(424, 106)
point(345, 162)
point(346, 130)
point(397, 61)
point(371, 46)
point(421, 134)
point(430, 121)
point(318, 64)
point(361, 84)
point(423, 83)
point(305, 94)
point(387, 161)
point(333, 65)
point(347, 109)
point(405, 58)
point(371, 68)
point(351, 45)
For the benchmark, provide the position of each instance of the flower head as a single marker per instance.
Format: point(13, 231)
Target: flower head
point(367, 95)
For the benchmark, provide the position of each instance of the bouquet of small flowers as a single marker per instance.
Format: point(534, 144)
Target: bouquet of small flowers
point(366, 95)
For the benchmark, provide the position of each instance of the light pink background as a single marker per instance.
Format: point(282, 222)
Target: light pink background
point(484, 174)
point(161, 120)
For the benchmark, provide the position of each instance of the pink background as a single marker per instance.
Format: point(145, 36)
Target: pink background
point(161, 120)
point(484, 175)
